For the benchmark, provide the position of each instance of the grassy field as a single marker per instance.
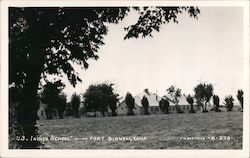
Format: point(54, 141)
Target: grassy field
point(155, 131)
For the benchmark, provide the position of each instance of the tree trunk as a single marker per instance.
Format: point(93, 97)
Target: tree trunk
point(29, 103)
point(130, 112)
point(178, 109)
point(103, 113)
point(60, 114)
point(76, 114)
point(146, 111)
point(192, 107)
point(205, 107)
point(167, 111)
point(114, 113)
point(241, 103)
point(27, 113)
point(216, 107)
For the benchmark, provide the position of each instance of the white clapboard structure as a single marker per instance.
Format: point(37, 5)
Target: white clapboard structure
point(154, 107)
point(182, 102)
point(153, 100)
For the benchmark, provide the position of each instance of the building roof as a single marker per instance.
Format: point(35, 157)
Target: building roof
point(182, 100)
point(119, 104)
point(153, 99)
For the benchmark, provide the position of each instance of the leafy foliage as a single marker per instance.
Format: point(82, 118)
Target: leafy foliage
point(190, 100)
point(61, 104)
point(229, 102)
point(240, 97)
point(100, 97)
point(164, 105)
point(151, 19)
point(216, 101)
point(69, 110)
point(145, 104)
point(52, 40)
point(52, 96)
point(203, 93)
point(75, 104)
point(56, 38)
point(175, 93)
point(130, 102)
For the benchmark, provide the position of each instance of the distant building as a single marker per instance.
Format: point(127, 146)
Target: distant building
point(122, 109)
point(154, 107)
point(153, 100)
point(183, 104)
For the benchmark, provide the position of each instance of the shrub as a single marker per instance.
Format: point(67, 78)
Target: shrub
point(175, 93)
point(52, 96)
point(75, 104)
point(216, 101)
point(229, 102)
point(203, 93)
point(190, 100)
point(164, 105)
point(145, 104)
point(101, 97)
point(240, 97)
point(61, 105)
point(130, 102)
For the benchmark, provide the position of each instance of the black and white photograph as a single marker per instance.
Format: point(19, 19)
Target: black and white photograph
point(115, 76)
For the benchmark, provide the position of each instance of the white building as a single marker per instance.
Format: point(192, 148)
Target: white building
point(183, 104)
point(153, 100)
point(154, 107)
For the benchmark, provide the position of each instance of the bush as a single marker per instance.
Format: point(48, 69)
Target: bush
point(101, 97)
point(216, 101)
point(229, 102)
point(164, 105)
point(61, 105)
point(54, 99)
point(130, 102)
point(75, 104)
point(175, 93)
point(145, 104)
point(203, 93)
point(240, 97)
point(190, 100)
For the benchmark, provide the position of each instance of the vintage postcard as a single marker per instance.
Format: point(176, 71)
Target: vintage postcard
point(124, 78)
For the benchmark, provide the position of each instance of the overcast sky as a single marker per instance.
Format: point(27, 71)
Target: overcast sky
point(209, 49)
